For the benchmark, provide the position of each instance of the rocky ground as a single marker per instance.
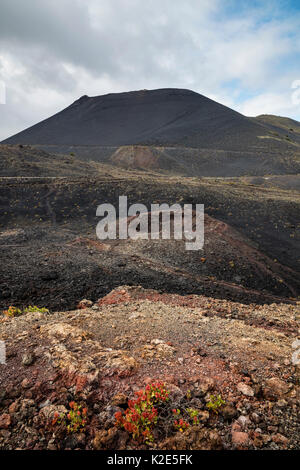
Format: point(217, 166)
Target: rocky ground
point(218, 325)
point(56, 267)
point(99, 355)
point(50, 255)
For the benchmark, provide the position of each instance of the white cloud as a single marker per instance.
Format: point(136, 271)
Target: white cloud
point(51, 56)
point(271, 103)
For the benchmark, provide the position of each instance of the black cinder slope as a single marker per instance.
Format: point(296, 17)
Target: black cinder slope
point(155, 117)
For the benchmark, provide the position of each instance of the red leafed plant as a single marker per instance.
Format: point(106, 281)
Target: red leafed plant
point(141, 414)
point(74, 420)
point(181, 424)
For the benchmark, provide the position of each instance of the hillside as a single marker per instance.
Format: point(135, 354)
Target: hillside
point(198, 347)
point(204, 163)
point(168, 130)
point(251, 250)
point(290, 126)
point(151, 117)
point(217, 327)
point(28, 161)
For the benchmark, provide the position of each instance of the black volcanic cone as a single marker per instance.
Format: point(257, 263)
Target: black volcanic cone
point(150, 117)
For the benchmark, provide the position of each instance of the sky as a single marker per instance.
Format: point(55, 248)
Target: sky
point(242, 53)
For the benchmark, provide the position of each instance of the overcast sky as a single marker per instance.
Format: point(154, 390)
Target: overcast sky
point(245, 54)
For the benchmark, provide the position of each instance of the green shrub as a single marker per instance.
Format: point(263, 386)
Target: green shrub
point(34, 308)
point(215, 403)
point(12, 311)
point(15, 312)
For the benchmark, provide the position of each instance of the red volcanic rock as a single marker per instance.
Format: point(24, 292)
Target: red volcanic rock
point(5, 421)
point(240, 439)
point(115, 297)
point(245, 389)
point(13, 407)
point(275, 389)
point(84, 304)
point(279, 439)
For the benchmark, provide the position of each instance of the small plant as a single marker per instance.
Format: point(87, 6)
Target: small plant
point(74, 420)
point(34, 308)
point(15, 312)
point(193, 413)
point(12, 311)
point(141, 415)
point(215, 403)
point(181, 424)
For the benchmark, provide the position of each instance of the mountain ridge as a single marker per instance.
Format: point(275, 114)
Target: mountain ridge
point(167, 116)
